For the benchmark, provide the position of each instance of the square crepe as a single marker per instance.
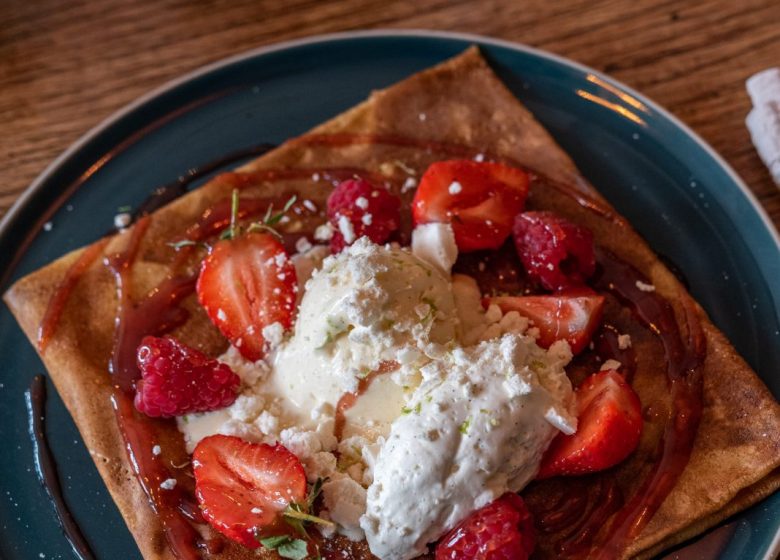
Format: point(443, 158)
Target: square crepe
point(467, 111)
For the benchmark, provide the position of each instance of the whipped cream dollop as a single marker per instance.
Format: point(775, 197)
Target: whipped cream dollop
point(453, 404)
point(477, 428)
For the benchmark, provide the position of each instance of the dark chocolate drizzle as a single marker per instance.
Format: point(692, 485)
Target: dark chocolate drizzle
point(170, 192)
point(45, 468)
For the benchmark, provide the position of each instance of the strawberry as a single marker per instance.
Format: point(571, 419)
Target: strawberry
point(177, 379)
point(356, 208)
point(554, 251)
point(248, 283)
point(479, 199)
point(571, 316)
point(608, 428)
point(243, 487)
point(502, 530)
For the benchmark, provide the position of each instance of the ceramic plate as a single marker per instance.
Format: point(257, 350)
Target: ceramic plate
point(672, 187)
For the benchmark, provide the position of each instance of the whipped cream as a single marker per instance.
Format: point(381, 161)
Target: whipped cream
point(477, 428)
point(460, 405)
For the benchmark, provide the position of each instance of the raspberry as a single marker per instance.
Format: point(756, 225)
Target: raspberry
point(554, 251)
point(177, 379)
point(357, 208)
point(502, 530)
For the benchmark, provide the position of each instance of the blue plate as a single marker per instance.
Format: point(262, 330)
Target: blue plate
point(675, 190)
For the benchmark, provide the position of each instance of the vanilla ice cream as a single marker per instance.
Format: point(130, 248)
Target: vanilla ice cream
point(366, 307)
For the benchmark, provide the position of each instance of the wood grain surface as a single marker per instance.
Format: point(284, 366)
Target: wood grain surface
point(66, 65)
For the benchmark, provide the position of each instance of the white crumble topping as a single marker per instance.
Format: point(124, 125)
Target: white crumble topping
point(323, 232)
point(221, 315)
point(409, 184)
point(644, 287)
point(624, 341)
point(346, 229)
point(479, 158)
point(156, 450)
point(455, 188)
point(361, 202)
point(611, 364)
point(122, 220)
point(273, 334)
point(280, 259)
point(302, 245)
point(168, 484)
point(367, 219)
point(309, 205)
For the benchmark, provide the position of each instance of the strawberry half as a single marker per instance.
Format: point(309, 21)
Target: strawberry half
point(573, 317)
point(502, 530)
point(479, 199)
point(246, 284)
point(609, 424)
point(244, 487)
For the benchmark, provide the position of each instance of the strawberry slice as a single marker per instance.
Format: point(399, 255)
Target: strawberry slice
point(572, 316)
point(608, 428)
point(246, 284)
point(479, 199)
point(243, 487)
point(501, 530)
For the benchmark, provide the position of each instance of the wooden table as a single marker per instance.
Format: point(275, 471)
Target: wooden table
point(66, 65)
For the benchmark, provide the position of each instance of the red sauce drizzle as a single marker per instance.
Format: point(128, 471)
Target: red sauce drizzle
point(684, 359)
point(568, 508)
point(608, 500)
point(60, 296)
point(217, 218)
point(452, 149)
point(156, 314)
point(139, 436)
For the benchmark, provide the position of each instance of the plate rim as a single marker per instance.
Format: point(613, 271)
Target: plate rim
point(14, 213)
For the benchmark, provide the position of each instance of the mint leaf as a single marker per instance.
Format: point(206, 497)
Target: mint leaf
point(295, 549)
point(286, 547)
point(274, 542)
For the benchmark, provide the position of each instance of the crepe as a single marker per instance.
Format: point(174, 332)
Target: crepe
point(456, 109)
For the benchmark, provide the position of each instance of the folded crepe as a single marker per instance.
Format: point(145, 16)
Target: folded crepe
point(456, 109)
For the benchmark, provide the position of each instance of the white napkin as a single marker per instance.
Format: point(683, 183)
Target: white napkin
point(764, 120)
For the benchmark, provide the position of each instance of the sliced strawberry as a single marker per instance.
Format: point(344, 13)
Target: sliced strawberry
point(479, 199)
point(246, 284)
point(356, 208)
point(243, 487)
point(571, 316)
point(609, 424)
point(502, 530)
